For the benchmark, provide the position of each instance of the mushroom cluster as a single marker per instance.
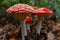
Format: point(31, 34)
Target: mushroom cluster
point(20, 8)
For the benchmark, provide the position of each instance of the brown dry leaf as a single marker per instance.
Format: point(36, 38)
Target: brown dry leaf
point(7, 26)
point(17, 30)
point(56, 28)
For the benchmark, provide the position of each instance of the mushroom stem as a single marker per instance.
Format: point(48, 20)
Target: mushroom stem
point(28, 27)
point(39, 27)
point(23, 29)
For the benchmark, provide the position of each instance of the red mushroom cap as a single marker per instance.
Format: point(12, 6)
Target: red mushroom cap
point(43, 11)
point(28, 20)
point(48, 11)
point(38, 12)
point(20, 8)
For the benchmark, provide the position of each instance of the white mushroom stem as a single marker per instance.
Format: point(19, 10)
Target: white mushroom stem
point(23, 30)
point(28, 27)
point(39, 27)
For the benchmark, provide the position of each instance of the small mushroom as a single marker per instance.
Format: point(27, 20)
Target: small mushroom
point(28, 20)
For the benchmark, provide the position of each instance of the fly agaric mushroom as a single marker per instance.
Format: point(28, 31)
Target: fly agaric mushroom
point(19, 11)
point(20, 8)
point(28, 20)
point(45, 10)
point(40, 11)
point(36, 14)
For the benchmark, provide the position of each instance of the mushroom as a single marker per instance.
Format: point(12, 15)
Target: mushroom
point(28, 20)
point(20, 11)
point(41, 12)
